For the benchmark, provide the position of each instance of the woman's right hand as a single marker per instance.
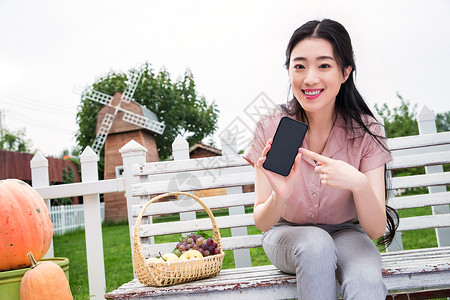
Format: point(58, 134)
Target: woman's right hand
point(283, 186)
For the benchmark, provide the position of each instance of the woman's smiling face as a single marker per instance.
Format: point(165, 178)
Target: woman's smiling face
point(315, 75)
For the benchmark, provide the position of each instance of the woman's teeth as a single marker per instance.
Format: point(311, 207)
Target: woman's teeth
point(312, 93)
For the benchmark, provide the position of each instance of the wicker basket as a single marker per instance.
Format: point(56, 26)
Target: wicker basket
point(174, 272)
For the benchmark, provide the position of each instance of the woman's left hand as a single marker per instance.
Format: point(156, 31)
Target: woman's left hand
point(336, 173)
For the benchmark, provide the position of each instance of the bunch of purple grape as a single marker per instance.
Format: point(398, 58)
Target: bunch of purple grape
point(205, 246)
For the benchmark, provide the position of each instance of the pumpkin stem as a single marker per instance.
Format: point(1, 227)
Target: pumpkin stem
point(32, 260)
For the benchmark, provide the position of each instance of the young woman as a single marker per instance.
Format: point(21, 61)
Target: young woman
point(319, 221)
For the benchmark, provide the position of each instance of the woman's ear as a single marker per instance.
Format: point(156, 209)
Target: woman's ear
point(347, 72)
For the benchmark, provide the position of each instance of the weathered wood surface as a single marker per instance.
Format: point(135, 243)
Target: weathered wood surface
point(402, 271)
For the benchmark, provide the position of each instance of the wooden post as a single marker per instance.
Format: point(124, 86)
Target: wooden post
point(93, 227)
point(40, 178)
point(427, 124)
point(180, 151)
point(242, 257)
point(132, 153)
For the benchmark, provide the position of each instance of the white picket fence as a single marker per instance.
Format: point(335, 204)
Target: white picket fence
point(90, 188)
point(70, 217)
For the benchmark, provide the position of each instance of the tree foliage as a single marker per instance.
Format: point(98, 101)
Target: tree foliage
point(177, 104)
point(401, 121)
point(14, 141)
point(443, 121)
point(68, 176)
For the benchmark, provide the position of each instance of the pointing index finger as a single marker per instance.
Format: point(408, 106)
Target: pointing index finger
point(315, 156)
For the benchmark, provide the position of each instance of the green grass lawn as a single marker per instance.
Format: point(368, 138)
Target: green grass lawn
point(117, 257)
point(117, 251)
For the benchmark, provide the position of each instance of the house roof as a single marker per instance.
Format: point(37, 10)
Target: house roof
point(196, 146)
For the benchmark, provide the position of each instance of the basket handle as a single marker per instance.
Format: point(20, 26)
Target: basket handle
point(136, 239)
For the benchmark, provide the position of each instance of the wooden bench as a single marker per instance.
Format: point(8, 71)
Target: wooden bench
point(423, 273)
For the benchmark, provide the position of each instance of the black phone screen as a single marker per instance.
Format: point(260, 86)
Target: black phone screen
point(286, 141)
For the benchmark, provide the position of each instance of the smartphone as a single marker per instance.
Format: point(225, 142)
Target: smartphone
point(286, 141)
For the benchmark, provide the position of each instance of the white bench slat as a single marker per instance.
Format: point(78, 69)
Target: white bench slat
point(424, 222)
point(194, 177)
point(416, 267)
point(420, 252)
point(420, 160)
point(228, 243)
point(417, 141)
point(209, 181)
point(411, 260)
point(231, 243)
point(252, 241)
point(420, 180)
point(147, 230)
point(419, 200)
point(188, 165)
point(422, 284)
point(178, 206)
point(214, 202)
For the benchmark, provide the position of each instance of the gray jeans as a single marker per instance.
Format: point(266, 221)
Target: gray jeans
point(321, 254)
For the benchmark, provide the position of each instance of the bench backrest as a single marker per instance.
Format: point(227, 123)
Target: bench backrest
point(228, 173)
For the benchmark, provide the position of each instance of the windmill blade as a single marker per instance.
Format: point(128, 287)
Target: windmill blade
point(138, 120)
point(132, 83)
point(97, 96)
point(103, 132)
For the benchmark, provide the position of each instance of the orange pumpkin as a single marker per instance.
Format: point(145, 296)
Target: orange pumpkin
point(25, 225)
point(44, 281)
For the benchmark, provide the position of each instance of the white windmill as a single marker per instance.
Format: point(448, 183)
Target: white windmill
point(149, 121)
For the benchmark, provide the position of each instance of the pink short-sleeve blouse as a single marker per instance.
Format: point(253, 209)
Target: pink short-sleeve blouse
point(311, 202)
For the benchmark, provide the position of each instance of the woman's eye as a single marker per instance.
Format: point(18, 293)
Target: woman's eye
point(299, 67)
point(324, 66)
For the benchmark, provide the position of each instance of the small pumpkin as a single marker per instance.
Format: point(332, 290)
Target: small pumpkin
point(44, 281)
point(25, 225)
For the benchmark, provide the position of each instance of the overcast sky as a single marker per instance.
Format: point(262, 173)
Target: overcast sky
point(235, 50)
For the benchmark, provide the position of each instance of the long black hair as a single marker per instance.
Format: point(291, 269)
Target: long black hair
point(349, 103)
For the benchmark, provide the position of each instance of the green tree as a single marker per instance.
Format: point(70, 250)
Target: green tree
point(177, 104)
point(68, 176)
point(14, 141)
point(443, 121)
point(74, 152)
point(401, 121)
